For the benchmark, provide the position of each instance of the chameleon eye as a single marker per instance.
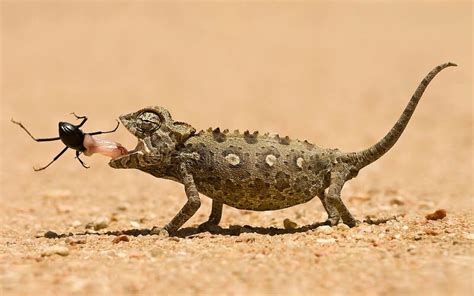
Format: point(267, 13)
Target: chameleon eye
point(149, 122)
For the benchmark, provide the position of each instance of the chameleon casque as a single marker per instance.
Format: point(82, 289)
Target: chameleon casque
point(248, 170)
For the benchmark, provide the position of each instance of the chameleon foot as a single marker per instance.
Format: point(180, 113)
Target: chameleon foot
point(209, 227)
point(159, 231)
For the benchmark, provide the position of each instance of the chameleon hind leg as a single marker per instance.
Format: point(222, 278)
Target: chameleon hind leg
point(214, 217)
point(332, 201)
point(333, 214)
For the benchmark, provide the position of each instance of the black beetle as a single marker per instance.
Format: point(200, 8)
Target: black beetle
point(71, 135)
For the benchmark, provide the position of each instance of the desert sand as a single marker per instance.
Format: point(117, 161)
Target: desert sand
point(336, 74)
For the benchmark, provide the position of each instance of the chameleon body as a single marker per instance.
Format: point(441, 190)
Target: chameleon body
point(249, 171)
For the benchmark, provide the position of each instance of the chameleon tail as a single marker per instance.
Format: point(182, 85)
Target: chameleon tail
point(366, 157)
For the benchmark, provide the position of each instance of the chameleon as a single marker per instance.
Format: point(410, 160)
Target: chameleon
point(249, 171)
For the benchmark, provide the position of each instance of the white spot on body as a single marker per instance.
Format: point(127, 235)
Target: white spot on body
point(232, 159)
point(270, 159)
point(299, 162)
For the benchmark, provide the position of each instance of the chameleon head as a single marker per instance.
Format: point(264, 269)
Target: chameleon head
point(158, 136)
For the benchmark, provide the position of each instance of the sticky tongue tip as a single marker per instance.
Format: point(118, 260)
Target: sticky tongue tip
point(102, 146)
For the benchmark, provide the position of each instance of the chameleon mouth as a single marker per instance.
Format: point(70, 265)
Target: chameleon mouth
point(110, 148)
point(121, 152)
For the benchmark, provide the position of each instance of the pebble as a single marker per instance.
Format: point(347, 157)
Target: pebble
point(326, 229)
point(73, 241)
point(156, 252)
point(120, 238)
point(136, 255)
point(360, 197)
point(326, 240)
point(57, 194)
point(121, 254)
point(51, 234)
point(122, 207)
point(437, 215)
point(431, 232)
point(101, 223)
point(135, 224)
point(288, 224)
point(76, 223)
point(342, 226)
point(55, 250)
point(397, 201)
point(469, 235)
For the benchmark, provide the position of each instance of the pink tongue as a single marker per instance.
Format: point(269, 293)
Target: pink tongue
point(102, 146)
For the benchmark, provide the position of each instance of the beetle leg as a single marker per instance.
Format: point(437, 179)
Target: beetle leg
point(54, 159)
point(37, 140)
point(84, 119)
point(107, 132)
point(80, 160)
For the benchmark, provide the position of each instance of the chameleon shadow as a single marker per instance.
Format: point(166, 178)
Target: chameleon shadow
point(192, 232)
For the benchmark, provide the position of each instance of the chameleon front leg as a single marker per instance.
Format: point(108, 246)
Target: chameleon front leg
point(191, 206)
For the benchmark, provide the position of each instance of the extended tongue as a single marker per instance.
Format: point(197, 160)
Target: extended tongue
point(103, 146)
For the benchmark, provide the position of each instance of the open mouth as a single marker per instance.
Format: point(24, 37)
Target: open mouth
point(110, 148)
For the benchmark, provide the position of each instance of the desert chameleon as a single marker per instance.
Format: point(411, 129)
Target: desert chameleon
point(246, 170)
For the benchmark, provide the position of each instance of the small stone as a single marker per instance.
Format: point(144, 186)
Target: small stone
point(51, 234)
point(469, 235)
point(121, 254)
point(76, 223)
point(135, 224)
point(391, 191)
point(288, 224)
point(156, 252)
point(62, 209)
point(101, 223)
point(55, 250)
point(431, 232)
point(360, 197)
point(73, 242)
point(437, 215)
point(326, 229)
point(397, 201)
point(136, 255)
point(326, 241)
point(57, 194)
point(120, 238)
point(113, 217)
point(342, 226)
point(122, 208)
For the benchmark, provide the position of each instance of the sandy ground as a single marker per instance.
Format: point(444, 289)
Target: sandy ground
point(338, 75)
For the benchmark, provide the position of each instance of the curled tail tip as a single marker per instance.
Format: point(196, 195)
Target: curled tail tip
point(450, 64)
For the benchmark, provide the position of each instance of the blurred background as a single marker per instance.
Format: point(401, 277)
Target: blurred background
point(337, 74)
